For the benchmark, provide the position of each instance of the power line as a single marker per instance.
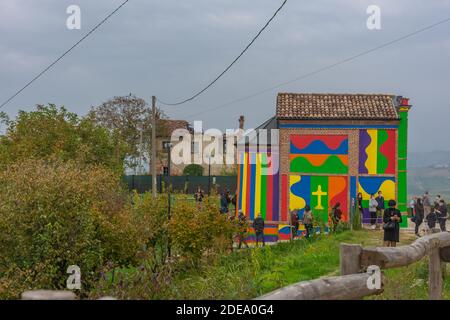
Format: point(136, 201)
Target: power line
point(231, 64)
point(63, 55)
point(319, 70)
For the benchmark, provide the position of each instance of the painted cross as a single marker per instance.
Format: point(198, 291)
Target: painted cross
point(319, 193)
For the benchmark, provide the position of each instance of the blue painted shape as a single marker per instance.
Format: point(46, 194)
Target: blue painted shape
point(319, 147)
point(353, 188)
point(302, 189)
point(371, 185)
point(252, 185)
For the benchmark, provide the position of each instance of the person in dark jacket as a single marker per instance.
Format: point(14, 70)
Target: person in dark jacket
point(418, 214)
point(224, 202)
point(294, 223)
point(233, 201)
point(426, 205)
point(380, 207)
point(308, 221)
point(392, 217)
point(359, 199)
point(336, 215)
point(358, 217)
point(258, 225)
point(442, 215)
point(199, 195)
point(432, 217)
point(242, 224)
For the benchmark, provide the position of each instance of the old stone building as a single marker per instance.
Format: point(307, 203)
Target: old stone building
point(215, 169)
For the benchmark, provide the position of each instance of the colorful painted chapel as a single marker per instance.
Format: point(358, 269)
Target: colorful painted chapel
point(330, 147)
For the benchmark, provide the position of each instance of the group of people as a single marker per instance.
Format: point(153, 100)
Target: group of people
point(307, 219)
point(258, 225)
point(423, 209)
point(376, 207)
point(225, 199)
point(391, 217)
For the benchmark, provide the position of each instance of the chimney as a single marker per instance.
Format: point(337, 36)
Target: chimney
point(241, 122)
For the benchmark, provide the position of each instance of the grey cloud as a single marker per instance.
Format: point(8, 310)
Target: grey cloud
point(173, 48)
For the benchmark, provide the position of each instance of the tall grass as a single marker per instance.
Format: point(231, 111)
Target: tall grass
point(249, 273)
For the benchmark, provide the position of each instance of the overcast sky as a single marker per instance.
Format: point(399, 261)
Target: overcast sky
point(172, 48)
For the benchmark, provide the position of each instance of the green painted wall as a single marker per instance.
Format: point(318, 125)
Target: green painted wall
point(402, 166)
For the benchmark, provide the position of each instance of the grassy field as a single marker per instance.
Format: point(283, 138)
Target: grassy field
point(249, 273)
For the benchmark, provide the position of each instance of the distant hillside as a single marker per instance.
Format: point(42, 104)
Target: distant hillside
point(427, 159)
point(436, 181)
point(429, 171)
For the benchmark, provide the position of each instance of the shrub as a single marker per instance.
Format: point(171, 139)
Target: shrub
point(195, 229)
point(193, 170)
point(54, 214)
point(150, 221)
point(197, 233)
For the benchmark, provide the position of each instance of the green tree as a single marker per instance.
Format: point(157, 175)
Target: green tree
point(131, 118)
point(52, 132)
point(193, 170)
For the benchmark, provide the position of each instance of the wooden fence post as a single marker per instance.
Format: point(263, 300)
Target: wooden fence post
point(435, 275)
point(48, 295)
point(445, 258)
point(350, 258)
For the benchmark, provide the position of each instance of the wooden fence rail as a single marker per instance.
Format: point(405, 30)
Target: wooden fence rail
point(354, 261)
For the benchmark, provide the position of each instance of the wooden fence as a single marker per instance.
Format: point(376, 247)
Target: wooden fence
point(354, 261)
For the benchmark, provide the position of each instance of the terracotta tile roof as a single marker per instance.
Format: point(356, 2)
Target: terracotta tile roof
point(170, 126)
point(313, 106)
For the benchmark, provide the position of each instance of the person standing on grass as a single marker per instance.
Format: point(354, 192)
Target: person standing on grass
point(412, 205)
point(224, 203)
point(373, 204)
point(258, 225)
point(359, 200)
point(418, 215)
point(242, 225)
point(228, 197)
point(426, 205)
point(442, 216)
point(294, 223)
point(233, 201)
point(432, 217)
point(358, 219)
point(380, 206)
point(392, 219)
point(336, 215)
point(198, 196)
point(308, 221)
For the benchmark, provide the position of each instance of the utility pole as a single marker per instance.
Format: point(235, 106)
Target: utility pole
point(169, 146)
point(153, 161)
point(209, 175)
